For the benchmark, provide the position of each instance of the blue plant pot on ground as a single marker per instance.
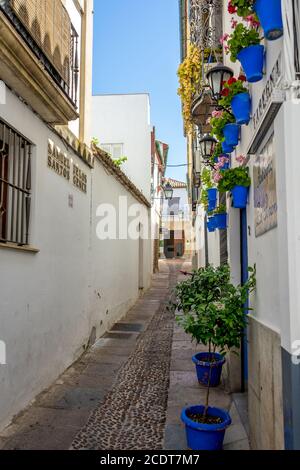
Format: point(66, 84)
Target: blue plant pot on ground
point(221, 221)
point(205, 436)
point(211, 226)
point(227, 148)
point(252, 60)
point(231, 133)
point(270, 16)
point(203, 368)
point(240, 197)
point(241, 108)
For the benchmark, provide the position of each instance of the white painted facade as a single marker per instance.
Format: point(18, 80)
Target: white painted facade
point(125, 120)
point(67, 287)
point(76, 287)
point(275, 319)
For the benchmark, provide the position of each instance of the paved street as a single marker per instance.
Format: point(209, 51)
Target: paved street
point(128, 390)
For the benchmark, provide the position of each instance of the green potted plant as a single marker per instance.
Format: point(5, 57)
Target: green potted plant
point(243, 44)
point(214, 314)
point(236, 96)
point(218, 121)
point(236, 180)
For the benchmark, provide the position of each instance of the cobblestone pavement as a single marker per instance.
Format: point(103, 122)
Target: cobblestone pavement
point(115, 396)
point(133, 414)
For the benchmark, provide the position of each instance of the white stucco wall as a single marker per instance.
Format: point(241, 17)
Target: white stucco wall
point(125, 119)
point(49, 301)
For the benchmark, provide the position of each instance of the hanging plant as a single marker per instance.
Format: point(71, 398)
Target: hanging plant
point(241, 38)
point(231, 88)
point(189, 74)
point(218, 122)
point(242, 8)
point(238, 176)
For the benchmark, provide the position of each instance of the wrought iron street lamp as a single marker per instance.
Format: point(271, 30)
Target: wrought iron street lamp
point(216, 77)
point(207, 146)
point(168, 190)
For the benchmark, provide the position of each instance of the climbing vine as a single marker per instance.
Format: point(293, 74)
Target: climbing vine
point(189, 74)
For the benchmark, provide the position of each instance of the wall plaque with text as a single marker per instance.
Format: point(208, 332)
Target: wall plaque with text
point(265, 197)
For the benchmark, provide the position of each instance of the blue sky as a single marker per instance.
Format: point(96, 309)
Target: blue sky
point(137, 49)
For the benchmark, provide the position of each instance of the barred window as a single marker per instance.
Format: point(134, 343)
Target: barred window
point(15, 186)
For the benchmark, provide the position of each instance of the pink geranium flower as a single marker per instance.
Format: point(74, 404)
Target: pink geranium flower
point(217, 176)
point(241, 159)
point(224, 38)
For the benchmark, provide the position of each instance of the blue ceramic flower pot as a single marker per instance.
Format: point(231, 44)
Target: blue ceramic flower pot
point(252, 60)
point(241, 108)
point(205, 436)
point(240, 197)
point(203, 368)
point(231, 133)
point(221, 221)
point(211, 226)
point(227, 148)
point(270, 16)
point(212, 199)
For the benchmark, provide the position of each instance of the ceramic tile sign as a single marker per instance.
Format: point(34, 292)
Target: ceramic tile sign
point(265, 197)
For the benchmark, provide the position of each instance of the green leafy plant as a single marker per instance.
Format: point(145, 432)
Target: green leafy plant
point(242, 8)
point(119, 162)
point(204, 198)
point(214, 310)
point(241, 38)
point(232, 88)
point(95, 141)
point(221, 209)
point(206, 179)
point(238, 176)
point(219, 121)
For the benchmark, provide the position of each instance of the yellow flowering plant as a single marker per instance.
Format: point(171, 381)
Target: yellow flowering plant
point(189, 74)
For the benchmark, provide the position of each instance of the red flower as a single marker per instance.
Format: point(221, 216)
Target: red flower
point(242, 78)
point(231, 81)
point(225, 92)
point(232, 9)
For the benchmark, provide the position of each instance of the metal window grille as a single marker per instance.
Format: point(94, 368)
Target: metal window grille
point(15, 186)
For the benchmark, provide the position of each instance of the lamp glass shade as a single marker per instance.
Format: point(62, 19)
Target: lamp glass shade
point(168, 190)
point(207, 146)
point(216, 77)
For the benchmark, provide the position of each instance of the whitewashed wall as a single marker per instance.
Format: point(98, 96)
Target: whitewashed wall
point(126, 119)
point(49, 302)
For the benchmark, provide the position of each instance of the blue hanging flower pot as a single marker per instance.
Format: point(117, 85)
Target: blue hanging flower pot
point(270, 16)
point(211, 226)
point(231, 133)
point(241, 108)
point(252, 60)
point(226, 147)
point(240, 197)
point(221, 221)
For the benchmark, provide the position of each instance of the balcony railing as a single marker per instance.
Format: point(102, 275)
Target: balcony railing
point(46, 28)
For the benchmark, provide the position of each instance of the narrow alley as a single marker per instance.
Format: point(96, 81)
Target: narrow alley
point(127, 391)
